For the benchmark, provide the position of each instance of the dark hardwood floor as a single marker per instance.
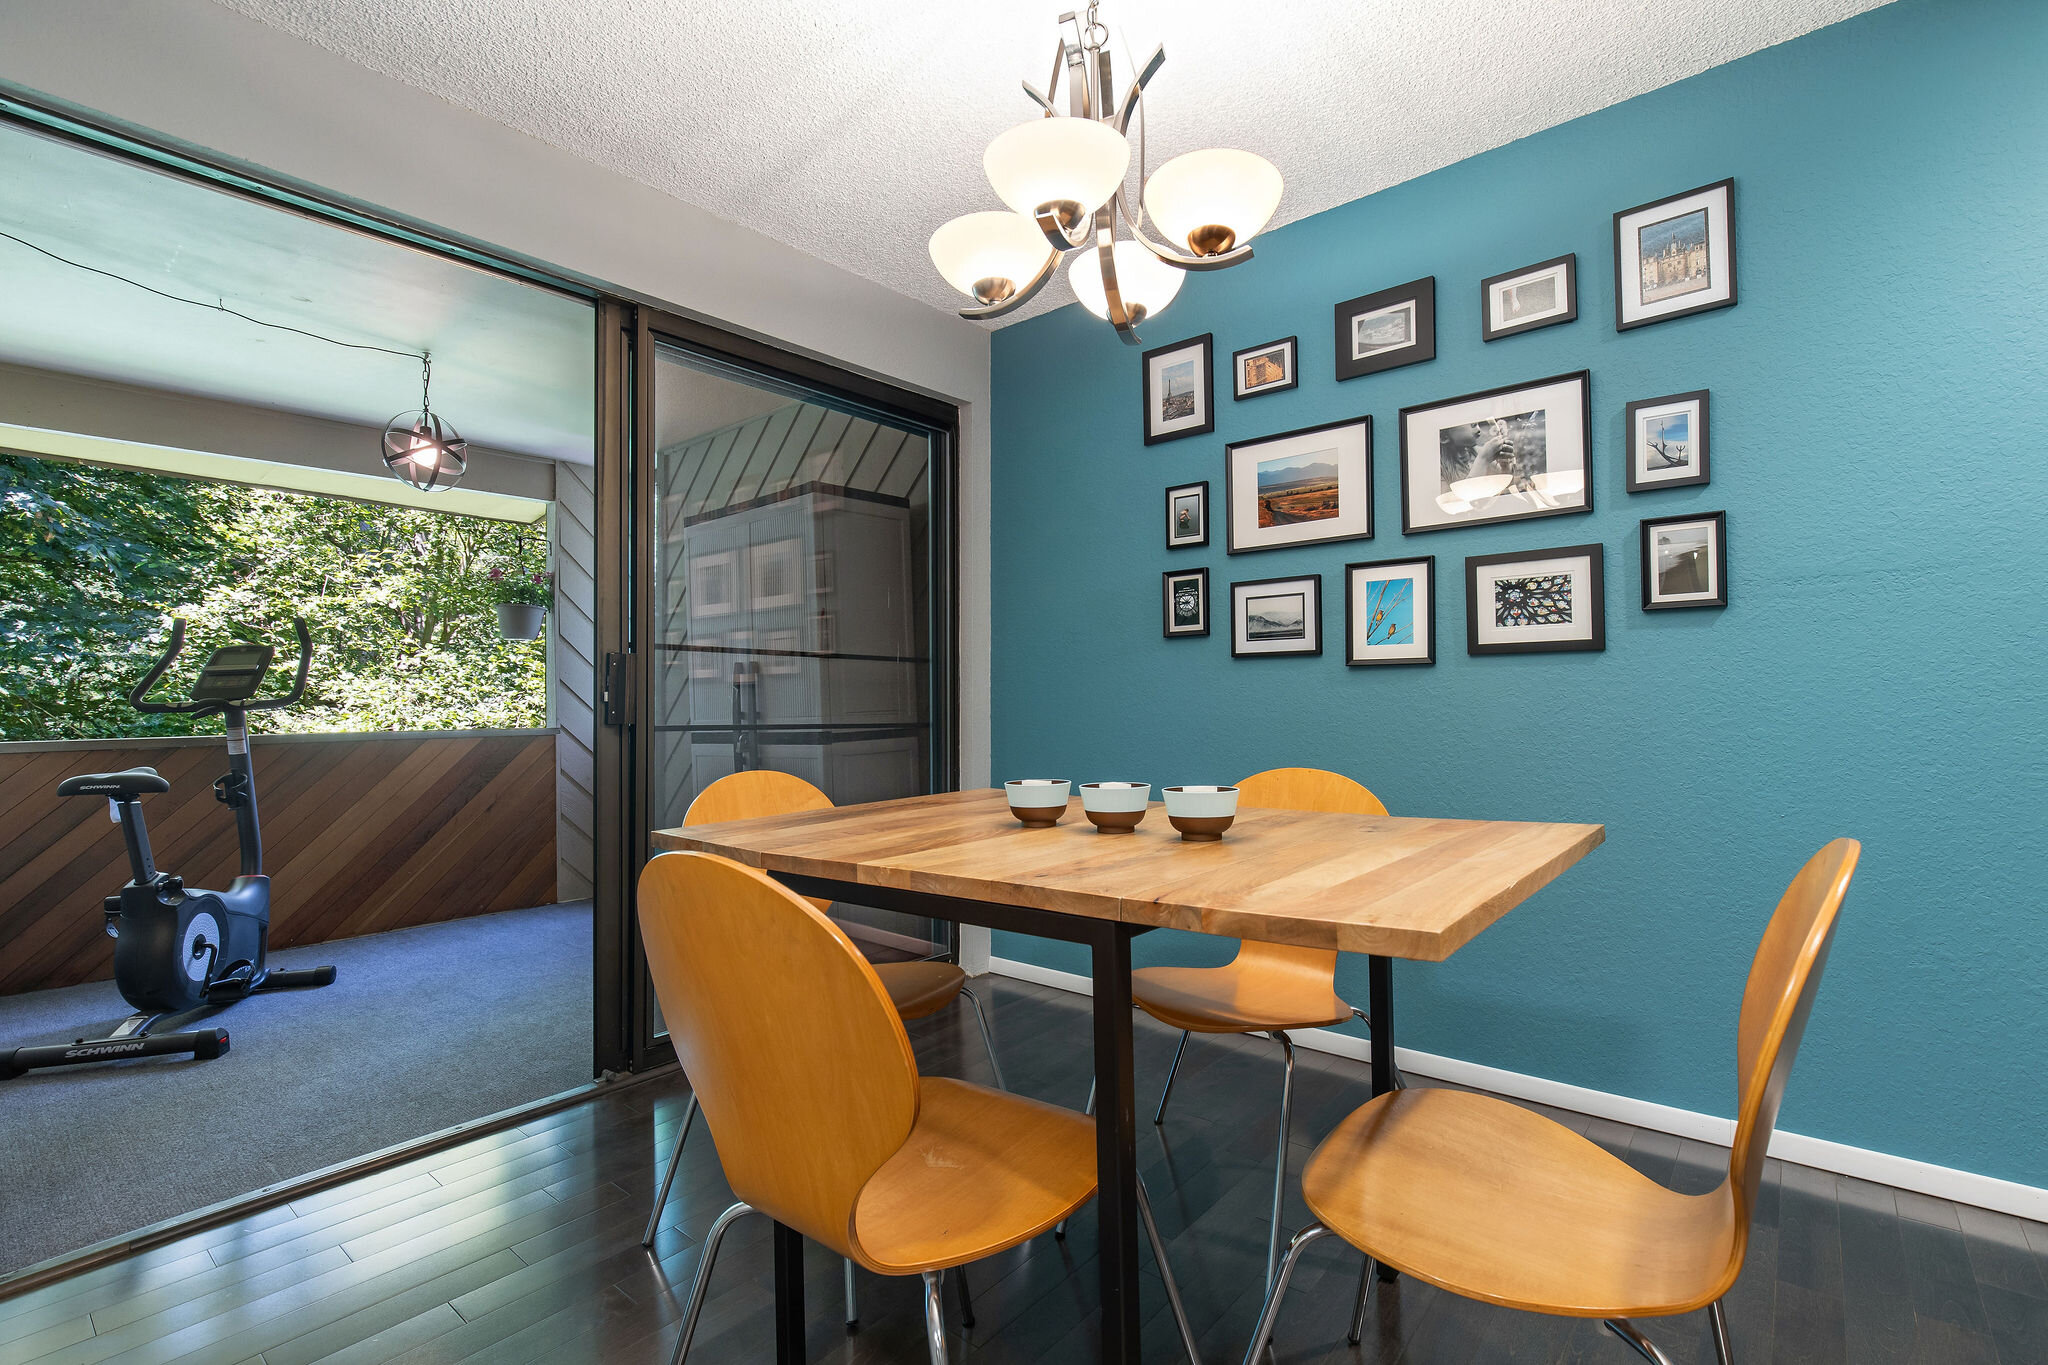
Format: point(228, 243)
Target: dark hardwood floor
point(523, 1246)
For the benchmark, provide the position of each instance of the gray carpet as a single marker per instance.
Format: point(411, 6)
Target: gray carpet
point(423, 1029)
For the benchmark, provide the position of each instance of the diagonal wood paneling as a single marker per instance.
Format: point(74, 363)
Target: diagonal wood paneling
point(573, 668)
point(362, 833)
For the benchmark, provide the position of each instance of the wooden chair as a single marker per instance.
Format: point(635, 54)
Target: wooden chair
point(917, 989)
point(1497, 1203)
point(810, 1089)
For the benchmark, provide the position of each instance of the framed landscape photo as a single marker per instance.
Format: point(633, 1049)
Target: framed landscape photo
point(1675, 257)
point(1667, 441)
point(1500, 455)
point(1387, 330)
point(1276, 616)
point(1187, 516)
point(1180, 390)
point(1390, 612)
point(1302, 487)
point(1263, 369)
point(1185, 602)
point(1685, 562)
point(1535, 602)
point(1540, 295)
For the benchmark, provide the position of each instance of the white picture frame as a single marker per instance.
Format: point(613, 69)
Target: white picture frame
point(1675, 257)
point(1276, 616)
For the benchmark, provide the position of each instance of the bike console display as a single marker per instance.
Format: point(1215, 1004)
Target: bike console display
point(233, 674)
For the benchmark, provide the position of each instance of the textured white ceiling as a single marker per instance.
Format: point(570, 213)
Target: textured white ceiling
point(853, 130)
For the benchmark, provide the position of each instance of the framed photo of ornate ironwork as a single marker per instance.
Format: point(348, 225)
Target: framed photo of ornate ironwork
point(1387, 329)
point(1390, 612)
point(1675, 257)
point(1685, 562)
point(1667, 441)
point(1302, 487)
point(1276, 616)
point(1185, 601)
point(1540, 295)
point(1180, 389)
point(1187, 516)
point(1535, 602)
point(1263, 369)
point(1498, 455)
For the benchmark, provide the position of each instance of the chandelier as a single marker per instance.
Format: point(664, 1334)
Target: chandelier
point(1063, 179)
point(420, 448)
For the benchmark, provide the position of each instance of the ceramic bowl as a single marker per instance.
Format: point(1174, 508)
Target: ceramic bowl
point(1115, 807)
point(1201, 814)
point(1038, 801)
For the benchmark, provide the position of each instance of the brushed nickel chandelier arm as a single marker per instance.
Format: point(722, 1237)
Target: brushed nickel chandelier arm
point(1222, 260)
point(1021, 297)
point(1120, 316)
point(1130, 104)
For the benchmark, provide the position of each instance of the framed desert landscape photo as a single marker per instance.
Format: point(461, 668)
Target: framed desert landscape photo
point(1388, 329)
point(1263, 369)
point(1667, 441)
point(1187, 516)
point(1540, 295)
point(1184, 601)
point(1499, 455)
point(1535, 602)
point(1390, 612)
point(1180, 390)
point(1301, 487)
point(1276, 616)
point(1675, 257)
point(1685, 562)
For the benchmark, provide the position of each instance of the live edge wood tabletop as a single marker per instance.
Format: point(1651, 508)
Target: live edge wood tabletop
point(1390, 886)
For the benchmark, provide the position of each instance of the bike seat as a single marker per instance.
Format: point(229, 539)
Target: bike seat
point(121, 786)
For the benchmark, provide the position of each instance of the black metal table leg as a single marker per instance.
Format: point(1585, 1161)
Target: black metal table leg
point(1380, 1013)
point(789, 1296)
point(1116, 1147)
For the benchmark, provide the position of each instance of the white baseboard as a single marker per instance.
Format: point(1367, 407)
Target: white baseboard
point(1943, 1182)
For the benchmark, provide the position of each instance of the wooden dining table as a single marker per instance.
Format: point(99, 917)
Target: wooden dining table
point(1383, 886)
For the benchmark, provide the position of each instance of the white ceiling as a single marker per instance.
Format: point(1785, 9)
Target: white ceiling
point(853, 130)
point(514, 365)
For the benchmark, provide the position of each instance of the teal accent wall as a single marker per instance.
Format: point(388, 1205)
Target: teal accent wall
point(1878, 444)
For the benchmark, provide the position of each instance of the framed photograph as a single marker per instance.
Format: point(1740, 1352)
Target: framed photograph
point(782, 651)
point(1180, 390)
point(821, 573)
point(824, 633)
point(1390, 612)
point(775, 575)
point(1187, 516)
point(1501, 455)
point(1540, 295)
point(1263, 369)
point(1685, 562)
point(1535, 602)
point(1387, 330)
point(1675, 257)
point(1300, 487)
point(1276, 616)
point(1185, 602)
point(714, 590)
point(1667, 441)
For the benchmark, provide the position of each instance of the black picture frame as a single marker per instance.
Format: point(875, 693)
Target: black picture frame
point(1425, 610)
point(1235, 451)
point(1700, 454)
point(1167, 582)
point(1490, 331)
point(1718, 540)
point(1622, 322)
point(1205, 365)
point(1583, 378)
point(1239, 393)
point(1422, 294)
point(1596, 585)
point(1312, 611)
point(1200, 490)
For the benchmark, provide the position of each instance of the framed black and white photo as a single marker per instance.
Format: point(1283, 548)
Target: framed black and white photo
point(1263, 369)
point(1540, 295)
point(774, 573)
point(1386, 330)
point(714, 584)
point(1185, 602)
point(1302, 487)
point(1685, 562)
point(1187, 516)
point(1500, 455)
point(1276, 616)
point(1667, 441)
point(1675, 257)
point(1180, 390)
point(1390, 612)
point(1535, 602)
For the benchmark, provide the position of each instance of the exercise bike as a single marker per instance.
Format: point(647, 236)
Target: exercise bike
point(178, 949)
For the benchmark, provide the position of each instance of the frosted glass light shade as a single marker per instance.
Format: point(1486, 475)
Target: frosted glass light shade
point(1146, 283)
point(1211, 200)
point(1075, 164)
point(989, 256)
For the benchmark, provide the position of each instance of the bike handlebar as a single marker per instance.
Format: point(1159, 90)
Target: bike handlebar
point(149, 679)
point(136, 698)
point(299, 682)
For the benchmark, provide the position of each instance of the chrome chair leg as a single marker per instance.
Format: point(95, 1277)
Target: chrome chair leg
point(1637, 1342)
point(935, 1315)
point(1365, 1283)
point(1724, 1349)
point(1172, 1071)
point(703, 1281)
point(1180, 1313)
point(675, 1159)
point(987, 1039)
point(1263, 1334)
point(1280, 1162)
point(852, 1308)
point(1059, 1229)
point(1400, 1081)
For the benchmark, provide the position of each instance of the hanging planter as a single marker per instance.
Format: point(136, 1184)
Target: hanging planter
point(520, 620)
point(523, 602)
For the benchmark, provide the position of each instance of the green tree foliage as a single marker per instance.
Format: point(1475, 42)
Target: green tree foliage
point(95, 562)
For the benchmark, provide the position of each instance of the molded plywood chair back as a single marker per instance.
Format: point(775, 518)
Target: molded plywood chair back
point(753, 794)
